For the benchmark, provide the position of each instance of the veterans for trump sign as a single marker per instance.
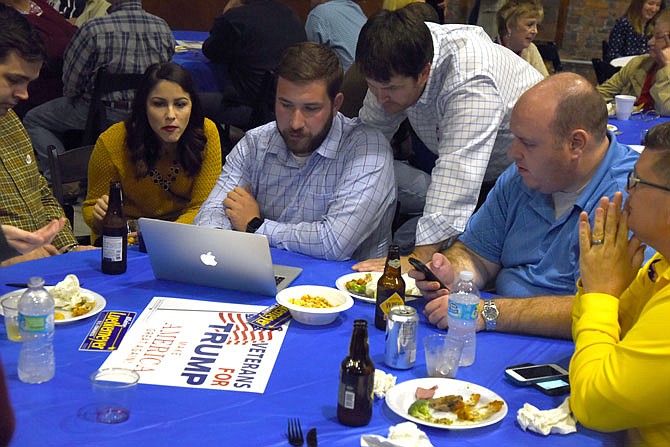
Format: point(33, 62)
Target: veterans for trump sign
point(199, 344)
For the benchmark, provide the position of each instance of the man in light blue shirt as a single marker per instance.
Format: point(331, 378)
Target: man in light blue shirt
point(524, 239)
point(336, 24)
point(314, 181)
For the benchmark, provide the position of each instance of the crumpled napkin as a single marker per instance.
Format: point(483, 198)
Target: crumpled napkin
point(405, 434)
point(557, 420)
point(382, 383)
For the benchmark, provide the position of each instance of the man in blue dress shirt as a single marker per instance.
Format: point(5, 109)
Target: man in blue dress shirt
point(524, 241)
point(336, 24)
point(313, 181)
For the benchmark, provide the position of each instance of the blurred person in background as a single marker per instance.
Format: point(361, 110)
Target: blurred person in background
point(167, 155)
point(336, 24)
point(621, 364)
point(245, 43)
point(518, 21)
point(646, 77)
point(56, 33)
point(78, 12)
point(632, 31)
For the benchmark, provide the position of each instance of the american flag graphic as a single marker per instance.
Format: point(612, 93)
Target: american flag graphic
point(243, 333)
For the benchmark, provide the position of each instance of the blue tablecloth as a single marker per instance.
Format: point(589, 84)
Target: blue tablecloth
point(200, 68)
point(632, 129)
point(303, 384)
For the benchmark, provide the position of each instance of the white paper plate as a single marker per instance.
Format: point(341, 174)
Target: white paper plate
point(100, 304)
point(400, 397)
point(410, 285)
point(612, 127)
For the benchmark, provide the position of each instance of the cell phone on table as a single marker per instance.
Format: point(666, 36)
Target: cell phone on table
point(428, 273)
point(532, 374)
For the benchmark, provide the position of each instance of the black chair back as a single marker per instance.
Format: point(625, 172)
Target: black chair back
point(549, 52)
point(68, 167)
point(105, 82)
point(604, 70)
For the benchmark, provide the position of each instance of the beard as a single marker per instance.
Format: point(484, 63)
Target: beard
point(308, 142)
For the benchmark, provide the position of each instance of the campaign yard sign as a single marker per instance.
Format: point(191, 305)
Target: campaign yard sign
point(199, 344)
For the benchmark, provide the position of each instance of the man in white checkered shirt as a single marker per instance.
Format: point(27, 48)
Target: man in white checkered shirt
point(457, 88)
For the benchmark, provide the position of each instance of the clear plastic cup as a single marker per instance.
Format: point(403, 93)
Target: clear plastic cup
point(10, 309)
point(443, 353)
point(113, 390)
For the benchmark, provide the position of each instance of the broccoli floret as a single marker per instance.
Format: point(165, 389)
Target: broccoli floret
point(420, 410)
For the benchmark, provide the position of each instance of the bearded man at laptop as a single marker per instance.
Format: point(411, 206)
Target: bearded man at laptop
point(313, 181)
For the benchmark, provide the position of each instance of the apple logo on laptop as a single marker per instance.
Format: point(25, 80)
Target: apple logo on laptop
point(208, 259)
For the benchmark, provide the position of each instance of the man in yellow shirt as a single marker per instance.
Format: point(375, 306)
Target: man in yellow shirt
point(621, 365)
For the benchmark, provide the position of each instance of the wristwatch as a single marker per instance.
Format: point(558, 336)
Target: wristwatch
point(254, 224)
point(490, 314)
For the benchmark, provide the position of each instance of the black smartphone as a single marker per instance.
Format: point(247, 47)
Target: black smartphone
point(430, 276)
point(556, 387)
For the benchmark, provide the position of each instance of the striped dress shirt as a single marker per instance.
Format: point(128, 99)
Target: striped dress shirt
point(339, 205)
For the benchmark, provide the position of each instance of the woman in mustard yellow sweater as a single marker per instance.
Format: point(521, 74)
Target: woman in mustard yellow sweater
point(167, 155)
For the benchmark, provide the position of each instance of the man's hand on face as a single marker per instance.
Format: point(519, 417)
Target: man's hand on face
point(241, 207)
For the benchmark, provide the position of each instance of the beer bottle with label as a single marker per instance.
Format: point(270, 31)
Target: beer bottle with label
point(390, 288)
point(114, 233)
point(357, 374)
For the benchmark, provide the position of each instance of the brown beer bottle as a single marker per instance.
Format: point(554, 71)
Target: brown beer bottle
point(357, 374)
point(114, 233)
point(390, 288)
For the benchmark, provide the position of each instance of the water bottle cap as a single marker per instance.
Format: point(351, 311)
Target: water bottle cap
point(35, 281)
point(466, 275)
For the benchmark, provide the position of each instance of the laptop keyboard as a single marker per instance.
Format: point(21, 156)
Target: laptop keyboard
point(279, 279)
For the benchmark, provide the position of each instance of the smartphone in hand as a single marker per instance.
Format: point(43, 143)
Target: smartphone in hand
point(428, 273)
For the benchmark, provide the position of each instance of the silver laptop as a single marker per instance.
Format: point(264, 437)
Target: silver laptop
point(213, 257)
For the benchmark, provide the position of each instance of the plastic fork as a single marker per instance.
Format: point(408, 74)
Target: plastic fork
point(294, 432)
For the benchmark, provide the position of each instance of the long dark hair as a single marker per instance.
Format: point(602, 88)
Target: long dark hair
point(142, 142)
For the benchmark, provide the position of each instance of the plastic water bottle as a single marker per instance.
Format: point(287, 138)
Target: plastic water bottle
point(36, 323)
point(462, 315)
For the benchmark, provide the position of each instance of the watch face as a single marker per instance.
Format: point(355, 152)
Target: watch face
point(490, 313)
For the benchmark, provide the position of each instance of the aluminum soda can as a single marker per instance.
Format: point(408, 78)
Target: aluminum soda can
point(402, 326)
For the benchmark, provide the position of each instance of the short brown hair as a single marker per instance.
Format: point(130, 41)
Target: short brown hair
point(658, 139)
point(579, 106)
point(512, 10)
point(17, 35)
point(307, 62)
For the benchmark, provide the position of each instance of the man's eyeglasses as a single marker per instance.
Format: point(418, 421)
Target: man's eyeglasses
point(633, 180)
